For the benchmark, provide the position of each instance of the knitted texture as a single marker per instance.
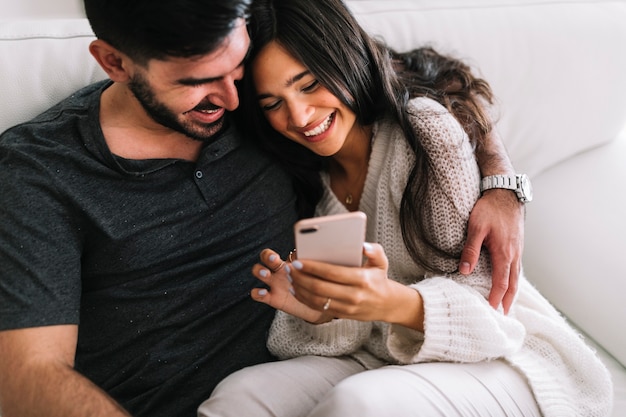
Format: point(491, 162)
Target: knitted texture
point(565, 375)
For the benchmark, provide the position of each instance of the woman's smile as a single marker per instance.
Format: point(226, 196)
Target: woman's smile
point(322, 128)
point(298, 106)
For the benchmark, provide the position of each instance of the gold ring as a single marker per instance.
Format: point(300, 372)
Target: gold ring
point(292, 256)
point(279, 267)
point(327, 305)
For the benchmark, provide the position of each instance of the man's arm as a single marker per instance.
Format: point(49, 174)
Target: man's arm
point(497, 219)
point(496, 222)
point(37, 376)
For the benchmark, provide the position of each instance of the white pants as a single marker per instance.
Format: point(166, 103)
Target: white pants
point(314, 386)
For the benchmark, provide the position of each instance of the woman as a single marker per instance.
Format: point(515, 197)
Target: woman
point(406, 334)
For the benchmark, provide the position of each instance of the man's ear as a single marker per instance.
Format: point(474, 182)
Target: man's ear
point(112, 61)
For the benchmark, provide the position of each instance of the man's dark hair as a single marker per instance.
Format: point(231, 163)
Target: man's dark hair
point(157, 29)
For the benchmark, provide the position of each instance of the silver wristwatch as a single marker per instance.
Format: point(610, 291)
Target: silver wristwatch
point(519, 183)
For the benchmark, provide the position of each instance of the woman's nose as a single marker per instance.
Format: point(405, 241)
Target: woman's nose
point(300, 113)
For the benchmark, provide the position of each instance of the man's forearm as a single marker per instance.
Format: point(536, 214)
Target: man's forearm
point(53, 390)
point(492, 156)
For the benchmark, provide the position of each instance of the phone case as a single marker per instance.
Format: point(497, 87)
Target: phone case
point(336, 239)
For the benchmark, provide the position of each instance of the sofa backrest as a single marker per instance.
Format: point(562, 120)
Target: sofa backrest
point(556, 66)
point(42, 61)
point(42, 9)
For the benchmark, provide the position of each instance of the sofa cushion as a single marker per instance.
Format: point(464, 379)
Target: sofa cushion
point(574, 251)
point(618, 375)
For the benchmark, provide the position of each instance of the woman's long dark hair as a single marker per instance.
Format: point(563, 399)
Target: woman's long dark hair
point(372, 80)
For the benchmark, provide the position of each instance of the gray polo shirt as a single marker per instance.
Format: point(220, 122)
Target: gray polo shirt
point(151, 258)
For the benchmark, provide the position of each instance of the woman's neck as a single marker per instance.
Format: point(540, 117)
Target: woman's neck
point(348, 168)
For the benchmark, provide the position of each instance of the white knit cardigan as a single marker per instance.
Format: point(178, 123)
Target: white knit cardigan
point(565, 375)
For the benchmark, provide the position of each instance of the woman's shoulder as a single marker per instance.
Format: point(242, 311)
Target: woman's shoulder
point(426, 103)
point(434, 123)
point(419, 109)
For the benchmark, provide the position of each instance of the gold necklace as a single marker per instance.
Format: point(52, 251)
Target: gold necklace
point(359, 182)
point(363, 148)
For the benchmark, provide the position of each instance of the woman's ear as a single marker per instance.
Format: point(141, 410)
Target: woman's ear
point(112, 61)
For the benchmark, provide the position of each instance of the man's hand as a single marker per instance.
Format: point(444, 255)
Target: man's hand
point(497, 222)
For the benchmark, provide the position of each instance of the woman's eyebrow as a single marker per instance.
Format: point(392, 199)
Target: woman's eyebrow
point(288, 83)
point(296, 78)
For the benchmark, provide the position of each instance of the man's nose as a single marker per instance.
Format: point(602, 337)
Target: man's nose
point(228, 94)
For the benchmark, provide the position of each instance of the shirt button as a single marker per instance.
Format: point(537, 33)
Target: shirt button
point(199, 174)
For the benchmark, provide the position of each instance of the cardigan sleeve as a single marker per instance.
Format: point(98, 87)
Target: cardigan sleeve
point(459, 326)
point(291, 336)
point(459, 323)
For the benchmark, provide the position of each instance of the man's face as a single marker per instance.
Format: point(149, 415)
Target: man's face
point(192, 95)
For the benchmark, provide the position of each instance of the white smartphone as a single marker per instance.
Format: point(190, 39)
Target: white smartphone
point(336, 239)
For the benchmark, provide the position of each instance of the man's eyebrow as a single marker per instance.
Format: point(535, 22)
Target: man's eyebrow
point(291, 81)
point(198, 81)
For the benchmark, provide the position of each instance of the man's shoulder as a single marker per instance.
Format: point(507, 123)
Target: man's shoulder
point(79, 100)
point(56, 122)
point(75, 104)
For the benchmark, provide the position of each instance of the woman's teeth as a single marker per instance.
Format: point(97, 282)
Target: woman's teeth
point(321, 128)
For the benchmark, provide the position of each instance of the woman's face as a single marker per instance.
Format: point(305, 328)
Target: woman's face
point(298, 106)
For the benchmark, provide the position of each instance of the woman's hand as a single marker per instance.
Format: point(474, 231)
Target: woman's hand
point(363, 293)
point(274, 272)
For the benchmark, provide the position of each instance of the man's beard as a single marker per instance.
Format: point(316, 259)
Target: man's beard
point(164, 116)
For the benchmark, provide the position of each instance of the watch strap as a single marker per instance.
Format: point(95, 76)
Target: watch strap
point(508, 182)
point(519, 184)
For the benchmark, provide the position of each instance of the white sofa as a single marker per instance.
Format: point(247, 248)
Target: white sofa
point(558, 69)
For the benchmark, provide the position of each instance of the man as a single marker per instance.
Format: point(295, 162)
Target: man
point(132, 213)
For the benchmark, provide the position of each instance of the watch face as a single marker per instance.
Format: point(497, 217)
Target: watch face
point(526, 188)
